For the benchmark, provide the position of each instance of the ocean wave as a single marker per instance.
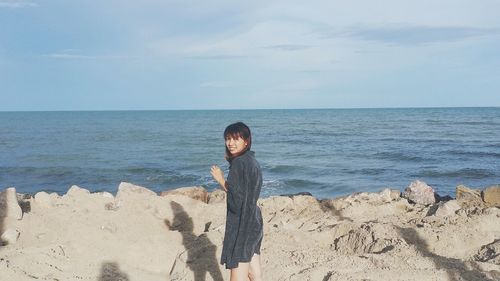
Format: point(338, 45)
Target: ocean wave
point(473, 153)
point(466, 173)
point(285, 169)
point(301, 183)
point(367, 171)
point(400, 156)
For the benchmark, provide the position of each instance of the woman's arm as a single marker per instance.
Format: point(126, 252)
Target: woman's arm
point(218, 176)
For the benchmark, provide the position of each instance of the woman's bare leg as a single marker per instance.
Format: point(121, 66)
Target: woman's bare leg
point(255, 272)
point(241, 272)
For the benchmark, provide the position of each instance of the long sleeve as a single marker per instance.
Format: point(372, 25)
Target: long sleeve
point(235, 187)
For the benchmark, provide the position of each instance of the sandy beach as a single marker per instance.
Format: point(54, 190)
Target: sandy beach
point(177, 235)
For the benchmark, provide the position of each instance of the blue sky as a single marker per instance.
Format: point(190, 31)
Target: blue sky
point(121, 55)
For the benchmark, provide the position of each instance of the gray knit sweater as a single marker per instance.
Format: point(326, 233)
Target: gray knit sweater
point(244, 232)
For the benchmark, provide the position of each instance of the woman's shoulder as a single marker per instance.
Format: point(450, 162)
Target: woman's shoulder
point(245, 159)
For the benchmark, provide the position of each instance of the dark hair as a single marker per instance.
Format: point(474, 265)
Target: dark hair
point(234, 131)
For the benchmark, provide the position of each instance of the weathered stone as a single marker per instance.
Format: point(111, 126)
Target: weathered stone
point(366, 238)
point(10, 236)
point(9, 206)
point(217, 196)
point(446, 209)
point(468, 197)
point(43, 199)
point(126, 188)
point(387, 195)
point(297, 194)
point(106, 194)
point(194, 192)
point(420, 193)
point(489, 253)
point(76, 191)
point(491, 195)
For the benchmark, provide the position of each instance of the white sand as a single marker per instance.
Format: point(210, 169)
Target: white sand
point(141, 236)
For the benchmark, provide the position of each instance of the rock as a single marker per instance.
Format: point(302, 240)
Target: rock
point(194, 192)
point(43, 199)
point(366, 238)
point(297, 194)
point(217, 196)
point(489, 253)
point(76, 191)
point(10, 236)
point(468, 197)
point(9, 206)
point(367, 197)
point(126, 188)
point(387, 195)
point(420, 193)
point(491, 195)
point(106, 194)
point(446, 209)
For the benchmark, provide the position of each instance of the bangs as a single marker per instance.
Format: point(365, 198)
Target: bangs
point(237, 130)
point(233, 135)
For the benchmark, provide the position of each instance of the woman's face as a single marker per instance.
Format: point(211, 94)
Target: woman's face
point(235, 146)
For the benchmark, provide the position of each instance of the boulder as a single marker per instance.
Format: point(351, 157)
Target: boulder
point(43, 199)
point(10, 236)
point(446, 209)
point(387, 195)
point(106, 194)
point(468, 197)
point(194, 192)
point(9, 206)
point(76, 191)
point(366, 238)
point(489, 253)
point(217, 196)
point(125, 189)
point(420, 193)
point(491, 195)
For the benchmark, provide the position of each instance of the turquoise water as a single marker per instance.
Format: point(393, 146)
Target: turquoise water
point(328, 152)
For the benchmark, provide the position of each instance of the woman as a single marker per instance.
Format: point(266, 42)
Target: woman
point(243, 236)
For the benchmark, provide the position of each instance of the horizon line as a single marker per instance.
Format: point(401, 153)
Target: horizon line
point(247, 109)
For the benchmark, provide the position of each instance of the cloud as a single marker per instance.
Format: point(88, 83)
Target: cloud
point(72, 54)
point(217, 84)
point(17, 4)
point(288, 47)
point(417, 35)
point(218, 57)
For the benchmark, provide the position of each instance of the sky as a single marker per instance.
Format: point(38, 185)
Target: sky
point(226, 54)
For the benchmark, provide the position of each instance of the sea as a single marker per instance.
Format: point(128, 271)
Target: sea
point(326, 152)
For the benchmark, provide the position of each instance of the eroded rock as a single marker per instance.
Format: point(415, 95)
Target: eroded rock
point(489, 253)
point(10, 236)
point(9, 206)
point(194, 192)
point(367, 238)
point(43, 199)
point(491, 195)
point(217, 196)
point(76, 191)
point(446, 209)
point(125, 189)
point(468, 197)
point(420, 193)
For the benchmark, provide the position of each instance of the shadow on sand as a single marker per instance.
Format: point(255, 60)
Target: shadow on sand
point(110, 271)
point(201, 252)
point(456, 269)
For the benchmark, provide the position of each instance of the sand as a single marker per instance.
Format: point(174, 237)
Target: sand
point(139, 235)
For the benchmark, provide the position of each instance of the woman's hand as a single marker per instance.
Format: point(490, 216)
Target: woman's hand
point(218, 176)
